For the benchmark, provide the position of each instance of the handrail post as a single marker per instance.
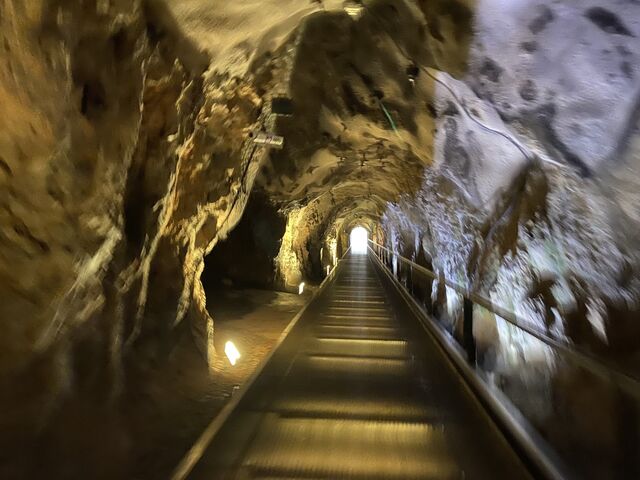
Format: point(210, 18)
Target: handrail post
point(428, 295)
point(468, 340)
point(411, 280)
point(441, 297)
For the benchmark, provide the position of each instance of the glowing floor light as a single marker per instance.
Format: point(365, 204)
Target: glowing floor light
point(358, 240)
point(232, 352)
point(301, 288)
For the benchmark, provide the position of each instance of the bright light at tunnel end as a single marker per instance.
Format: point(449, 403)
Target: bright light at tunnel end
point(358, 240)
point(232, 352)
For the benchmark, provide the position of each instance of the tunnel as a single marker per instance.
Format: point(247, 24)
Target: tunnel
point(363, 239)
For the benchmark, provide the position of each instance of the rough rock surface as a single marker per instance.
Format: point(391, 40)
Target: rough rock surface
point(495, 141)
point(122, 164)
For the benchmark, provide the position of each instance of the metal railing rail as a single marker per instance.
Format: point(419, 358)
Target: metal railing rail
point(585, 360)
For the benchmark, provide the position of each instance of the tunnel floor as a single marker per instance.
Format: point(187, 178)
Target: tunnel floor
point(174, 403)
point(358, 390)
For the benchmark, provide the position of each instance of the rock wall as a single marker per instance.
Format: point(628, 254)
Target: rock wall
point(68, 132)
point(122, 162)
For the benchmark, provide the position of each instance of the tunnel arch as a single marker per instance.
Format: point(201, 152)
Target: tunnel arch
point(317, 232)
point(364, 211)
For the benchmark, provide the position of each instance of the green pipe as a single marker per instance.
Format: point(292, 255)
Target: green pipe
point(388, 115)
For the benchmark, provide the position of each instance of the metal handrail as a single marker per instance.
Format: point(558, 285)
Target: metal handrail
point(585, 360)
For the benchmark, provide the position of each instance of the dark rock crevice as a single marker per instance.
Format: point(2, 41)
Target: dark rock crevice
point(607, 21)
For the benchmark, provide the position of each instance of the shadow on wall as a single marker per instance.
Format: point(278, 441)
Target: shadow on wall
point(246, 257)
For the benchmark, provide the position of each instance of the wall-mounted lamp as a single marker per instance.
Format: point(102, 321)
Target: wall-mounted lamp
point(232, 352)
point(267, 139)
point(354, 9)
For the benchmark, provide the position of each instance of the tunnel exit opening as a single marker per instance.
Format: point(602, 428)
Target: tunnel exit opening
point(358, 240)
